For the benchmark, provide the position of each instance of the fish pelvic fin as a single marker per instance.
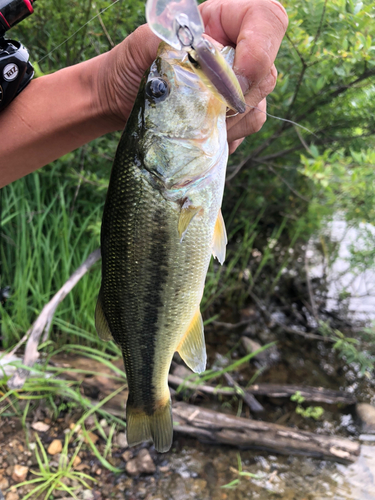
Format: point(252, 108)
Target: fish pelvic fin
point(101, 323)
point(158, 426)
point(192, 348)
point(187, 214)
point(219, 244)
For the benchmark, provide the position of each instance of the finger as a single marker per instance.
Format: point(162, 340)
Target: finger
point(250, 123)
point(234, 145)
point(255, 27)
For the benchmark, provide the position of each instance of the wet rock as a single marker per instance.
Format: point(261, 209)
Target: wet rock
point(143, 463)
point(366, 414)
point(20, 473)
point(121, 440)
point(40, 426)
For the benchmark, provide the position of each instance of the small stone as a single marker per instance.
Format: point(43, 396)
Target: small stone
point(366, 413)
point(103, 422)
point(55, 447)
point(12, 459)
point(146, 464)
point(12, 496)
point(199, 485)
point(4, 483)
point(76, 461)
point(90, 420)
point(20, 473)
point(121, 440)
point(131, 467)
point(91, 436)
point(126, 456)
point(9, 470)
point(87, 495)
point(142, 492)
point(143, 463)
point(74, 427)
point(164, 468)
point(40, 426)
point(250, 345)
point(82, 467)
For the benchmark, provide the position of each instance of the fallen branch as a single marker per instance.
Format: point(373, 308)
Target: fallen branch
point(311, 394)
point(44, 320)
point(215, 427)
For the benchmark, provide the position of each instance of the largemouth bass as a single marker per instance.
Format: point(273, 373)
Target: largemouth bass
point(161, 224)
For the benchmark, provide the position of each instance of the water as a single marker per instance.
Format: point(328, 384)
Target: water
point(360, 285)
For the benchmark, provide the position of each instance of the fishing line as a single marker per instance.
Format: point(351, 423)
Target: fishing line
point(79, 29)
point(277, 118)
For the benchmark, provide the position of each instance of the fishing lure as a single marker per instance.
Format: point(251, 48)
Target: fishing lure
point(179, 23)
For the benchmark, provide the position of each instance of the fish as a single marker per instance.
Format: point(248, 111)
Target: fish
point(161, 223)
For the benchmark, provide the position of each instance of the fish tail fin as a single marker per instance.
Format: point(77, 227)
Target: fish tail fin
point(158, 426)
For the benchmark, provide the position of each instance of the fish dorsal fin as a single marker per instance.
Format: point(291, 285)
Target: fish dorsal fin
point(220, 240)
point(192, 348)
point(188, 212)
point(101, 323)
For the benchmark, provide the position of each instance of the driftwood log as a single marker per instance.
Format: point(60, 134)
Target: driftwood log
point(214, 427)
point(208, 425)
point(311, 394)
point(44, 320)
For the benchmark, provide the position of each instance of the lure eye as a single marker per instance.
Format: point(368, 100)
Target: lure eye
point(157, 88)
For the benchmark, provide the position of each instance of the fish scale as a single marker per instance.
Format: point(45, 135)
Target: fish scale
point(159, 223)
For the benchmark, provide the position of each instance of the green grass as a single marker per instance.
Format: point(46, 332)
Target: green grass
point(45, 237)
point(50, 479)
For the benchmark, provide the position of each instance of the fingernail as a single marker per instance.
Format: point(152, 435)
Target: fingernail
point(244, 83)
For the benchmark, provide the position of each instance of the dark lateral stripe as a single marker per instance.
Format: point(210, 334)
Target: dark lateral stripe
point(157, 270)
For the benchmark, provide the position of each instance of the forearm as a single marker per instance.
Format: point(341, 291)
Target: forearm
point(55, 114)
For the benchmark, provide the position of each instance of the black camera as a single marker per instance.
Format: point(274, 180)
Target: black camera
point(15, 70)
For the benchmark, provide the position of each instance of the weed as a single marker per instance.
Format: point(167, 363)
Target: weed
point(352, 349)
point(50, 479)
point(314, 412)
point(241, 474)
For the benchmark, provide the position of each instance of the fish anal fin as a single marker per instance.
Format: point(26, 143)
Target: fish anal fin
point(158, 426)
point(220, 239)
point(101, 323)
point(188, 212)
point(192, 348)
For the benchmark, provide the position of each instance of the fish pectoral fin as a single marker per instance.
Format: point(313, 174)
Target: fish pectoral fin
point(192, 348)
point(158, 426)
point(188, 212)
point(220, 239)
point(101, 323)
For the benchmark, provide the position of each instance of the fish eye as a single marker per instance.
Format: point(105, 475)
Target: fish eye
point(157, 88)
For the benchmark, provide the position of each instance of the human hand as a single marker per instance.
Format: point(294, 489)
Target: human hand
point(254, 27)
